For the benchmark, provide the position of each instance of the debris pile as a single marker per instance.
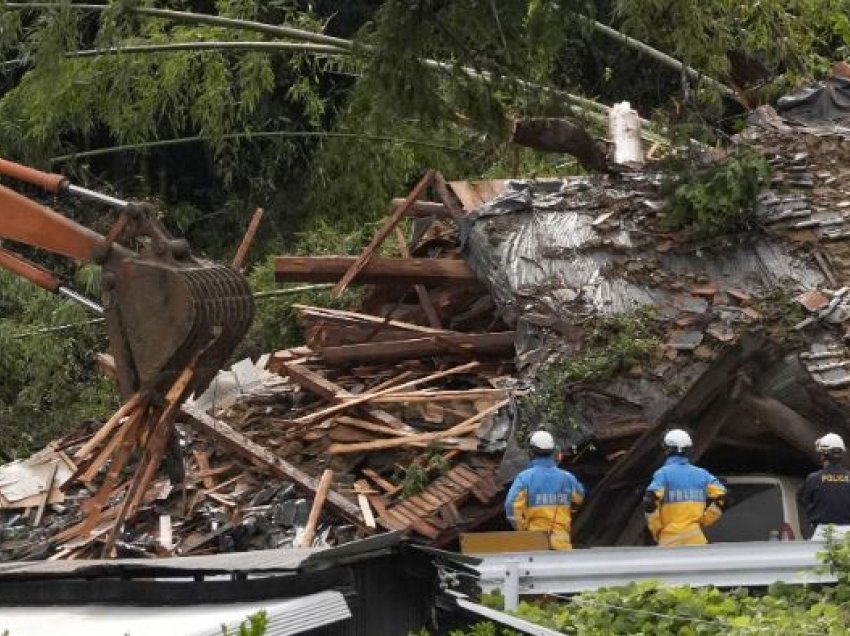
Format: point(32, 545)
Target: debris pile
point(378, 423)
point(402, 415)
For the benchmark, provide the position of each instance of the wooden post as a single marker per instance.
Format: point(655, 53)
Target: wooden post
point(242, 253)
point(421, 292)
point(316, 510)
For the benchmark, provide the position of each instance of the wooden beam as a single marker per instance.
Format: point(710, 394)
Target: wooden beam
point(421, 292)
point(453, 201)
point(352, 317)
point(316, 508)
point(327, 390)
point(318, 415)
point(485, 344)
point(315, 383)
point(380, 236)
point(253, 452)
point(379, 270)
point(424, 208)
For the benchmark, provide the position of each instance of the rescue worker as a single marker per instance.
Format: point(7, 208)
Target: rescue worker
point(826, 493)
point(543, 496)
point(682, 499)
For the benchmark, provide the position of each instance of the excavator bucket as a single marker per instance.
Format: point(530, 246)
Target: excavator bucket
point(164, 308)
point(161, 316)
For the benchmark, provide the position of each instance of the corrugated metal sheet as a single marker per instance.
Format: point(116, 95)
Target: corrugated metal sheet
point(294, 616)
point(262, 561)
point(755, 563)
point(537, 238)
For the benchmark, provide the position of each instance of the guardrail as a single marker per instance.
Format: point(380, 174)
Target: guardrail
point(757, 563)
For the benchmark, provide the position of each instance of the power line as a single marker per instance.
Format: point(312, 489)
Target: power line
point(258, 135)
point(94, 321)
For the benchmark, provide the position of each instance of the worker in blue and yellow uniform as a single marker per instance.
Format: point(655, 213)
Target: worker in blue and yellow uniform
point(543, 497)
point(682, 499)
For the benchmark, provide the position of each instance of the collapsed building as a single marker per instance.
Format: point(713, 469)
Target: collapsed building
point(503, 311)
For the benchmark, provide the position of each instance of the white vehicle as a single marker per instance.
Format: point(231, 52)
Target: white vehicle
point(761, 508)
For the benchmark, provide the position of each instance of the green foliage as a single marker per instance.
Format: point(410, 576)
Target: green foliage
point(778, 306)
point(719, 198)
point(275, 323)
point(612, 345)
point(485, 629)
point(419, 474)
point(255, 625)
point(414, 480)
point(654, 608)
point(50, 380)
point(794, 39)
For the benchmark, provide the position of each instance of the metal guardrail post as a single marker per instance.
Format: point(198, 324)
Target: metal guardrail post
point(511, 588)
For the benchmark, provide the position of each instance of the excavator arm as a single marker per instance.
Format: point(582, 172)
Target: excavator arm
point(163, 307)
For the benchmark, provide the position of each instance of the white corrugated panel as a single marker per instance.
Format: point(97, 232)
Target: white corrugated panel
point(293, 616)
point(297, 616)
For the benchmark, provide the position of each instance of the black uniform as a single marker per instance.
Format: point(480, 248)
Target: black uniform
point(826, 495)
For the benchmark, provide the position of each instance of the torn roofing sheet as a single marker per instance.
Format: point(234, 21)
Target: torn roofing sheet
point(580, 240)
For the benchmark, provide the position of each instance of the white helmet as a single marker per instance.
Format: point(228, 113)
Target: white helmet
point(542, 440)
point(830, 443)
point(677, 440)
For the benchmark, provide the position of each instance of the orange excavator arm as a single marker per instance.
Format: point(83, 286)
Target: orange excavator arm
point(162, 305)
point(26, 221)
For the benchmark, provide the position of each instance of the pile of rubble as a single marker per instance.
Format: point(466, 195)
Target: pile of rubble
point(403, 415)
point(378, 423)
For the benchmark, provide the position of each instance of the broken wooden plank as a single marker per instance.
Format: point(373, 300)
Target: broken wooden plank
point(386, 485)
point(429, 396)
point(363, 261)
point(110, 425)
point(253, 452)
point(154, 450)
point(423, 208)
point(380, 270)
point(319, 415)
point(352, 317)
point(369, 426)
point(483, 344)
point(316, 508)
point(46, 496)
point(242, 252)
point(444, 193)
point(421, 292)
point(366, 509)
point(463, 428)
point(327, 390)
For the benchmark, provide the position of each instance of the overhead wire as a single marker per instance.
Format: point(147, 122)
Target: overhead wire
point(273, 293)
